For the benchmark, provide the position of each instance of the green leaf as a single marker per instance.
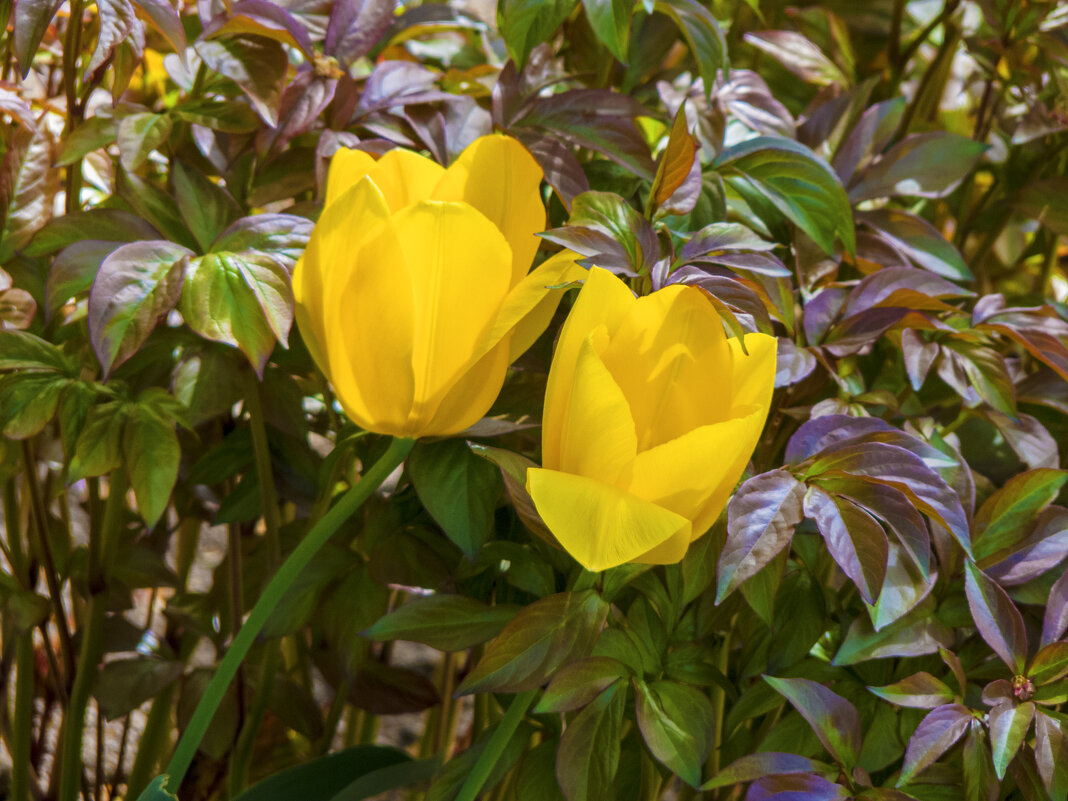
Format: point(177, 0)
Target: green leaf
point(219, 115)
point(1007, 515)
point(323, 779)
point(92, 134)
point(997, 618)
point(927, 164)
point(920, 690)
point(206, 207)
point(28, 401)
point(152, 453)
point(834, 720)
point(579, 683)
point(154, 205)
point(111, 225)
point(525, 24)
point(537, 642)
point(676, 723)
point(391, 777)
point(137, 285)
point(795, 181)
point(1049, 664)
point(241, 299)
point(139, 134)
point(588, 756)
point(1047, 202)
point(919, 240)
point(122, 685)
point(1009, 724)
point(610, 20)
point(1051, 755)
point(458, 488)
point(535, 777)
point(282, 236)
point(99, 446)
point(445, 622)
point(21, 349)
point(703, 35)
point(157, 790)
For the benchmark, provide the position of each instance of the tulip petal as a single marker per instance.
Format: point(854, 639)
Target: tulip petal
point(499, 177)
point(369, 323)
point(405, 177)
point(530, 305)
point(671, 359)
point(753, 375)
point(670, 551)
point(468, 400)
point(347, 167)
point(604, 300)
point(597, 437)
point(694, 474)
point(330, 256)
point(601, 526)
point(460, 265)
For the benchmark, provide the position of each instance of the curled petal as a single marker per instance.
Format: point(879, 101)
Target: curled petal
point(601, 526)
point(499, 177)
point(347, 168)
point(405, 177)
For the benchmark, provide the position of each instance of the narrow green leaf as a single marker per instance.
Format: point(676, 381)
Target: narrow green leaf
point(1009, 724)
point(834, 720)
point(1006, 516)
point(445, 622)
point(676, 722)
point(610, 20)
point(527, 23)
point(152, 454)
point(323, 779)
point(588, 756)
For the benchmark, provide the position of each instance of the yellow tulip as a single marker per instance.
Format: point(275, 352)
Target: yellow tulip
point(651, 415)
point(413, 294)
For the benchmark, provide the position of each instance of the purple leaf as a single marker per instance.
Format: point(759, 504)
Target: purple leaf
point(917, 239)
point(267, 19)
point(919, 691)
point(997, 618)
point(1041, 550)
point(926, 164)
point(1028, 438)
point(719, 237)
point(1051, 755)
point(820, 433)
point(793, 364)
point(303, 102)
point(118, 21)
point(563, 172)
point(897, 467)
point(935, 735)
point(893, 507)
point(860, 330)
point(820, 312)
point(255, 63)
point(799, 55)
point(903, 589)
point(31, 18)
point(761, 518)
point(355, 27)
point(854, 539)
point(165, 17)
point(882, 287)
point(399, 83)
point(870, 135)
point(918, 355)
point(834, 720)
point(137, 284)
point(1008, 727)
point(595, 118)
point(757, 766)
point(795, 787)
point(1055, 620)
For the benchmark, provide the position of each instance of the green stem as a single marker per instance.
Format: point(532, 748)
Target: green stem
point(498, 741)
point(71, 49)
point(276, 588)
point(70, 775)
point(44, 548)
point(153, 741)
point(22, 734)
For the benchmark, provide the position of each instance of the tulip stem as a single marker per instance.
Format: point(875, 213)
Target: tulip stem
point(498, 741)
point(290, 570)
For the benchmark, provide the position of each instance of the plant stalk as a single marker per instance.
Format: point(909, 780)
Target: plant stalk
point(498, 741)
point(320, 533)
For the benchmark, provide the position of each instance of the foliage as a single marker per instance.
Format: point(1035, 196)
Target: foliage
point(880, 613)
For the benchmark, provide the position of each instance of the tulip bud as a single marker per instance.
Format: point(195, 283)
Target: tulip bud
point(413, 294)
point(651, 415)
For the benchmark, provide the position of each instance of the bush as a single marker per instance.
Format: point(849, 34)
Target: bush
point(879, 613)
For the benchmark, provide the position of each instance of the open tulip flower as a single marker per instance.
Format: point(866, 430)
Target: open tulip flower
point(413, 294)
point(651, 415)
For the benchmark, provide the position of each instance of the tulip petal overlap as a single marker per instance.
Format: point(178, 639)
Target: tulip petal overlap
point(413, 294)
point(651, 415)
